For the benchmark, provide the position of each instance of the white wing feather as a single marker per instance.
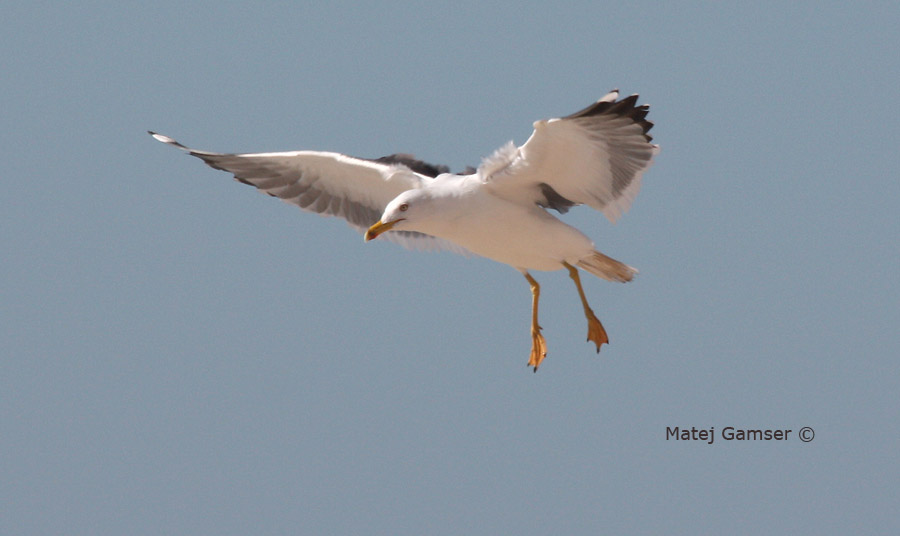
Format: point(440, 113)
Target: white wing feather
point(595, 157)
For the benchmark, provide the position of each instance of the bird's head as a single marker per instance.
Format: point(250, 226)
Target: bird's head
point(403, 213)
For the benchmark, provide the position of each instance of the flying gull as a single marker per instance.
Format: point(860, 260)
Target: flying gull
point(594, 157)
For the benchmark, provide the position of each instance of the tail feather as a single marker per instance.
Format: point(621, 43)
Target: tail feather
point(607, 268)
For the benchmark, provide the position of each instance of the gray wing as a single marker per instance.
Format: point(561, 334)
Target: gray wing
point(330, 184)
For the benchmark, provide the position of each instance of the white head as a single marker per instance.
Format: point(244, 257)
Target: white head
point(406, 212)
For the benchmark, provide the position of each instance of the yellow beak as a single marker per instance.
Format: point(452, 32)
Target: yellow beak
point(379, 228)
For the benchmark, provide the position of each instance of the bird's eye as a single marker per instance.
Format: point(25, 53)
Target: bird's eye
point(403, 207)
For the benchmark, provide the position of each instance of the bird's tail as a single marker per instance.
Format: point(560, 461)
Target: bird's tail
point(608, 268)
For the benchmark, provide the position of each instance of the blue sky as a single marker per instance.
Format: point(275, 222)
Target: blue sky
point(182, 355)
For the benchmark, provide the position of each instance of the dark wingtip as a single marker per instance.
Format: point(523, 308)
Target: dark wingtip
point(626, 107)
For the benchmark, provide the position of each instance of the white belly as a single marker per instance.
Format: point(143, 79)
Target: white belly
point(526, 238)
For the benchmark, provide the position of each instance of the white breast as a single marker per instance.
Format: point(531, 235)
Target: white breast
point(525, 237)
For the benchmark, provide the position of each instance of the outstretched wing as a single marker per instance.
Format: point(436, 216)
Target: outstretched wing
point(594, 157)
point(330, 184)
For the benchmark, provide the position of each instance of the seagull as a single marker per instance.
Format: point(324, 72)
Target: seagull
point(595, 157)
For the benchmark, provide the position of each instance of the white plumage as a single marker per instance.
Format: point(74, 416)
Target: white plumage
point(595, 157)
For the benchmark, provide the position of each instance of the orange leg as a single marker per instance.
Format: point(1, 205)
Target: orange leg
point(538, 344)
point(596, 333)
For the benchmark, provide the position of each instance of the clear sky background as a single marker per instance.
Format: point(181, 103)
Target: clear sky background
point(182, 355)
